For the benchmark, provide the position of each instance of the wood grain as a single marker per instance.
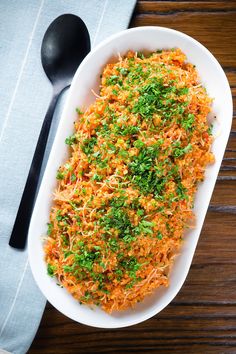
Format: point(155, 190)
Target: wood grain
point(202, 318)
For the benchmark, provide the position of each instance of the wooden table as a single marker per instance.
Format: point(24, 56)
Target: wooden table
point(202, 318)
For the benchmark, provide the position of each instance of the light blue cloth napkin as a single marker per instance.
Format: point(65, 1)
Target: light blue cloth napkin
point(25, 93)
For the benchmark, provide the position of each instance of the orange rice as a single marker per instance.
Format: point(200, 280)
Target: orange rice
point(125, 196)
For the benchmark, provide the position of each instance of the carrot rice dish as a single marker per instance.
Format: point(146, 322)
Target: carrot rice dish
point(126, 194)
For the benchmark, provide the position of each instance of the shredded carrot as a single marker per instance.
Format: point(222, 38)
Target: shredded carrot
point(125, 196)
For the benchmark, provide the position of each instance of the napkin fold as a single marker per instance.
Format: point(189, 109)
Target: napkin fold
point(25, 93)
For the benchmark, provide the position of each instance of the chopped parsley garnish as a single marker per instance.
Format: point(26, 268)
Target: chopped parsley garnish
point(70, 140)
point(60, 175)
point(188, 121)
point(51, 270)
point(88, 145)
point(145, 227)
point(50, 228)
point(78, 110)
point(179, 152)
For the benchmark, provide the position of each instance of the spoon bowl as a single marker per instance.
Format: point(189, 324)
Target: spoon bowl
point(64, 46)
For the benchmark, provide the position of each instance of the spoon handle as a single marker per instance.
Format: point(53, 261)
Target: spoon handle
point(20, 229)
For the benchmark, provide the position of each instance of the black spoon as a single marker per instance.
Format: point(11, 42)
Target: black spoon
point(65, 44)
